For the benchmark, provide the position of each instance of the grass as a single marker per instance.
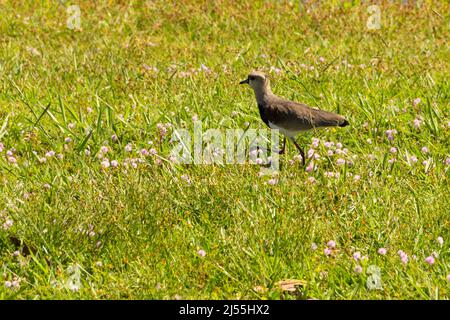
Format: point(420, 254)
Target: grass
point(135, 233)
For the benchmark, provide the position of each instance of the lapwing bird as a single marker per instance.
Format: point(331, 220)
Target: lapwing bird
point(289, 117)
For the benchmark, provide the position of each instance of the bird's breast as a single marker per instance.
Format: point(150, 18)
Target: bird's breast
point(263, 114)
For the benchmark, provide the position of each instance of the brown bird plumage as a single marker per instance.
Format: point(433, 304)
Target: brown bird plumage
point(288, 117)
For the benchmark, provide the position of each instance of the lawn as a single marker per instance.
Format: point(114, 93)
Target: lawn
point(93, 205)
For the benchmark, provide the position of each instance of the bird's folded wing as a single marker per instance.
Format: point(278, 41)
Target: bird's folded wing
point(296, 116)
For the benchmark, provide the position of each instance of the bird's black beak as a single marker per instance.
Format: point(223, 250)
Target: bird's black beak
point(244, 81)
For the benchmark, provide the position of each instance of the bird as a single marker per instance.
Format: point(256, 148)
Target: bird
point(289, 117)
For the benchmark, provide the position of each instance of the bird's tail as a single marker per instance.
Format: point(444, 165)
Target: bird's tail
point(344, 123)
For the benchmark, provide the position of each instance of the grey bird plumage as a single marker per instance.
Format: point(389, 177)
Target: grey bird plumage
point(289, 117)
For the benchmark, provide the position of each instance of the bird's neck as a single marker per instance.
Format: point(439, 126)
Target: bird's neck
point(263, 93)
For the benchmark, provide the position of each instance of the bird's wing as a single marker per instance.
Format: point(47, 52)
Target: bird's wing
point(297, 116)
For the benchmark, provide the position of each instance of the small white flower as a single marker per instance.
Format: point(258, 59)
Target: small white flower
point(12, 160)
point(201, 253)
point(105, 163)
point(312, 180)
point(50, 154)
point(7, 224)
point(357, 256)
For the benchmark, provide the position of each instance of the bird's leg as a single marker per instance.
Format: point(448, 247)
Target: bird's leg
point(284, 146)
point(299, 149)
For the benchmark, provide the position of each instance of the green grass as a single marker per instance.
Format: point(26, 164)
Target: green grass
point(136, 232)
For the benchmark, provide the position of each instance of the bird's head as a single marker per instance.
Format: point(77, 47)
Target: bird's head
point(257, 80)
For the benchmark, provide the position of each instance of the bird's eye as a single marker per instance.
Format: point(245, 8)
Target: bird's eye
point(251, 78)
